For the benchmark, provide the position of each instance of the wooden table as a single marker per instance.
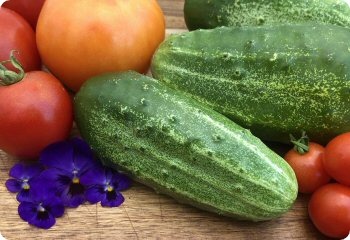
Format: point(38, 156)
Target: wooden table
point(147, 215)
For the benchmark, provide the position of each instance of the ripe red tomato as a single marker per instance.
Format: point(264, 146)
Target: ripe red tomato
point(329, 210)
point(308, 167)
point(35, 112)
point(91, 37)
point(17, 34)
point(29, 9)
point(337, 158)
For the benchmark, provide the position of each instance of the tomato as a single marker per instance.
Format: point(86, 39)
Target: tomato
point(29, 9)
point(308, 167)
point(337, 158)
point(91, 37)
point(16, 34)
point(35, 112)
point(329, 210)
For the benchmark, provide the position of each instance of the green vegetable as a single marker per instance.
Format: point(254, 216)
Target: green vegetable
point(182, 148)
point(273, 80)
point(213, 13)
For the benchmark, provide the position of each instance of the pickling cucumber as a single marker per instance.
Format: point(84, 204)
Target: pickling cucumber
point(179, 147)
point(214, 13)
point(273, 80)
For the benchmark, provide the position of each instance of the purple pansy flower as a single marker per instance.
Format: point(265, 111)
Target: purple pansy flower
point(71, 176)
point(67, 161)
point(22, 177)
point(105, 185)
point(42, 209)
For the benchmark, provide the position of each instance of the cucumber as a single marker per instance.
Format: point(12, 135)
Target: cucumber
point(273, 80)
point(182, 148)
point(213, 13)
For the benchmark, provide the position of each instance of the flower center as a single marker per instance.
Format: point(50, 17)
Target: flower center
point(40, 208)
point(109, 188)
point(75, 180)
point(76, 189)
point(42, 213)
point(25, 185)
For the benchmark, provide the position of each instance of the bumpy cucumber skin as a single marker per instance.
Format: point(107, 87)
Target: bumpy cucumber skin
point(208, 14)
point(274, 81)
point(182, 148)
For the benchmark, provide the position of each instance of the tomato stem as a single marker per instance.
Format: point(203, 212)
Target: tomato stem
point(302, 144)
point(8, 77)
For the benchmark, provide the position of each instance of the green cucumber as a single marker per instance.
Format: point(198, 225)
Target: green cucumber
point(182, 148)
point(273, 80)
point(213, 13)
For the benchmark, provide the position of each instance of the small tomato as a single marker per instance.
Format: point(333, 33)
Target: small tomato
point(306, 159)
point(337, 158)
point(329, 210)
point(36, 111)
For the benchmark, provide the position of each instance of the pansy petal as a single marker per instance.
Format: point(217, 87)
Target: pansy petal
point(73, 201)
point(81, 146)
point(113, 202)
point(43, 221)
point(13, 185)
point(73, 198)
point(17, 171)
point(109, 174)
point(58, 155)
point(57, 177)
point(82, 156)
point(24, 196)
point(82, 163)
point(55, 206)
point(40, 183)
point(121, 181)
point(41, 189)
point(33, 170)
point(93, 176)
point(27, 210)
point(95, 194)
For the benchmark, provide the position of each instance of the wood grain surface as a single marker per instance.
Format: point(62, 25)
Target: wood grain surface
point(146, 214)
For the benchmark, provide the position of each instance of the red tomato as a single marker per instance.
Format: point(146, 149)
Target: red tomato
point(308, 167)
point(337, 158)
point(35, 112)
point(16, 34)
point(29, 9)
point(90, 37)
point(329, 210)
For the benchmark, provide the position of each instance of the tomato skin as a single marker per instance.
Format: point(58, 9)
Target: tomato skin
point(105, 36)
point(329, 210)
point(29, 10)
point(35, 112)
point(337, 158)
point(17, 34)
point(308, 167)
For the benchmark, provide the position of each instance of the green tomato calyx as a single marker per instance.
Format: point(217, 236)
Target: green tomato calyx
point(8, 77)
point(302, 144)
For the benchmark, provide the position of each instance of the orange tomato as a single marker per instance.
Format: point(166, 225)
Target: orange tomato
point(82, 38)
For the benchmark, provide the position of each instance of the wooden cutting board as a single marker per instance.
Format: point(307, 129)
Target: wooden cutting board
point(146, 214)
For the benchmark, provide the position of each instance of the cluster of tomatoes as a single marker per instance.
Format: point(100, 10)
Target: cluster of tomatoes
point(54, 47)
point(324, 172)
